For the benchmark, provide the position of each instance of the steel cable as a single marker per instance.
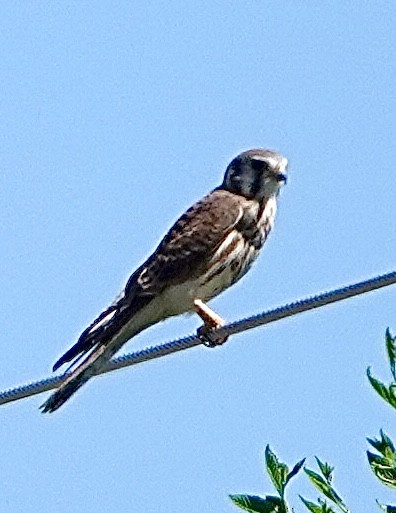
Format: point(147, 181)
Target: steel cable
point(232, 328)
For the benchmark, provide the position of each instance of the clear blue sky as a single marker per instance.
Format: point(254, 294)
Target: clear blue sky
point(116, 116)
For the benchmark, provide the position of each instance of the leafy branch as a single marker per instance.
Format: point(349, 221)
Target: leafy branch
point(382, 462)
point(387, 392)
point(323, 482)
point(280, 476)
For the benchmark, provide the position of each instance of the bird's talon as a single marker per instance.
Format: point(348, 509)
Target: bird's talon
point(209, 338)
point(211, 322)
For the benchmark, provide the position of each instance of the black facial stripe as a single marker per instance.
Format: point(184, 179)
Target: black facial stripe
point(256, 183)
point(236, 163)
point(235, 177)
point(258, 164)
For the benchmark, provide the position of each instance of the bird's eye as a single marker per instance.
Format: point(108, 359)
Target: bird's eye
point(259, 164)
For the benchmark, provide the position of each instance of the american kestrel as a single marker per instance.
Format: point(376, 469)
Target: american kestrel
point(210, 247)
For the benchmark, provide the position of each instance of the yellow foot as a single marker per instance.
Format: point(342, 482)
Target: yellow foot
point(211, 321)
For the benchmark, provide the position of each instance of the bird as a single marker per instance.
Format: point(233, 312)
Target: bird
point(208, 249)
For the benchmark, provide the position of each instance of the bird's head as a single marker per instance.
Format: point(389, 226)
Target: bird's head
point(256, 174)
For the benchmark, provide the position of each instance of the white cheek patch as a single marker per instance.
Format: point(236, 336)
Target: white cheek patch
point(283, 165)
point(272, 186)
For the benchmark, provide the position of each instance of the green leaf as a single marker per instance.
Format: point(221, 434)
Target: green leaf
point(388, 394)
point(388, 444)
point(375, 459)
point(294, 471)
point(392, 392)
point(391, 350)
point(387, 508)
point(385, 473)
point(277, 471)
point(323, 486)
point(256, 504)
point(384, 464)
point(321, 507)
point(384, 445)
point(315, 508)
point(325, 469)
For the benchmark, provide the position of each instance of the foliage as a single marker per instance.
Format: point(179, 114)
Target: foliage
point(382, 462)
point(388, 393)
point(280, 476)
point(322, 481)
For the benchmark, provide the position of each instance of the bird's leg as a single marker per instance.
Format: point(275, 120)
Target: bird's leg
point(211, 321)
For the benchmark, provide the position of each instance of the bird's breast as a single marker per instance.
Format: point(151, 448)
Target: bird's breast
point(239, 250)
point(232, 259)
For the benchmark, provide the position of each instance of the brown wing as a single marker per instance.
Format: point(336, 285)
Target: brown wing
point(182, 254)
point(185, 251)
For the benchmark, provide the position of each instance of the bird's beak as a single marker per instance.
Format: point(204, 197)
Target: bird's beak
point(281, 177)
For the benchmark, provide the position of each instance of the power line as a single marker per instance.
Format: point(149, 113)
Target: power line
point(150, 353)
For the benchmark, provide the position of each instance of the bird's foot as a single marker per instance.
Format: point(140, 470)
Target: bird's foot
point(211, 321)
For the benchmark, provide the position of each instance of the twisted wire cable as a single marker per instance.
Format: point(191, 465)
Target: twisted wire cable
point(266, 317)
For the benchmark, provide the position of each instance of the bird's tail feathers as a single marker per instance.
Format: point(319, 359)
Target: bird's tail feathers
point(84, 372)
point(89, 338)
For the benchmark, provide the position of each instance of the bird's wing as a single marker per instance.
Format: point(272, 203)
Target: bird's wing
point(186, 250)
point(182, 254)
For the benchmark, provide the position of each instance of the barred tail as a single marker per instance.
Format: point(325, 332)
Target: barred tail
point(98, 344)
point(84, 372)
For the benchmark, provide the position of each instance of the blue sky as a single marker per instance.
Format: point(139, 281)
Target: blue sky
point(115, 117)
